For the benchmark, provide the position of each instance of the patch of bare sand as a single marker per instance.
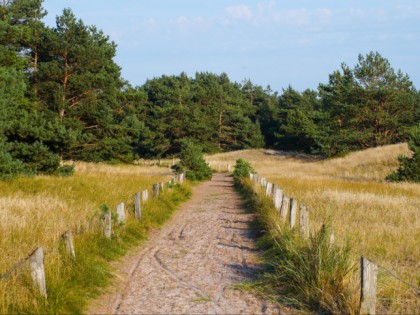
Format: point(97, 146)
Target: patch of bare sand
point(193, 263)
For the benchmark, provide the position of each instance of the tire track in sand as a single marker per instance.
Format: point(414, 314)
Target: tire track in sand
point(191, 265)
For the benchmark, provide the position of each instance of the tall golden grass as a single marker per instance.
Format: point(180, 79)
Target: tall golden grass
point(380, 219)
point(36, 211)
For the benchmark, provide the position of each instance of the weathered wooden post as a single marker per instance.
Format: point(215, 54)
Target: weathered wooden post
point(264, 182)
point(182, 178)
point(293, 210)
point(332, 238)
point(161, 186)
point(303, 221)
point(228, 168)
point(218, 167)
point(36, 262)
point(121, 213)
point(156, 190)
point(145, 196)
point(67, 238)
point(108, 224)
point(369, 271)
point(277, 197)
point(284, 208)
point(137, 206)
point(268, 189)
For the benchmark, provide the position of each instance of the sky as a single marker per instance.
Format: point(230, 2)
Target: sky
point(276, 43)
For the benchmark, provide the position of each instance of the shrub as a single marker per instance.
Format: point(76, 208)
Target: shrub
point(409, 169)
point(192, 162)
point(242, 169)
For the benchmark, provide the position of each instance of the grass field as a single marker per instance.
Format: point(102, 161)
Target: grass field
point(381, 220)
point(36, 211)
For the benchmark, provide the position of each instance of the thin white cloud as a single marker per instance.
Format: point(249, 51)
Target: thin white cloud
point(150, 24)
point(240, 12)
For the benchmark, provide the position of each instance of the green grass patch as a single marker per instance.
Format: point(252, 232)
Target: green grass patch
point(72, 282)
point(311, 274)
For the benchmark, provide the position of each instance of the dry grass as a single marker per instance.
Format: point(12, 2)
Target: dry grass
point(381, 219)
point(36, 211)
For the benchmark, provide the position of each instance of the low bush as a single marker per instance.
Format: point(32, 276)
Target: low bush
point(192, 162)
point(409, 169)
point(242, 169)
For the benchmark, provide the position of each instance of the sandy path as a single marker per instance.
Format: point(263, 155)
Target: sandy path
point(192, 264)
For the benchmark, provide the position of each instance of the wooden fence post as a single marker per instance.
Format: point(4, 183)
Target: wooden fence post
point(277, 197)
point(284, 208)
point(228, 168)
point(156, 190)
point(303, 221)
point(145, 196)
point(68, 242)
point(293, 210)
point(368, 286)
point(137, 206)
point(161, 186)
point(108, 224)
point(121, 213)
point(218, 167)
point(36, 263)
point(268, 189)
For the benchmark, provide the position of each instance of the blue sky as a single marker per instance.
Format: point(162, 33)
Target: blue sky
point(276, 43)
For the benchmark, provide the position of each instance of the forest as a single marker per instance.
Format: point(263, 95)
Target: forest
point(62, 97)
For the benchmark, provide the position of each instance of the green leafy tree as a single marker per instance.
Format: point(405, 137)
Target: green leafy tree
point(242, 169)
point(409, 169)
point(192, 162)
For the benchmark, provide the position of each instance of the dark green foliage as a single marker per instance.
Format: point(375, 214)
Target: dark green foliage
point(208, 108)
point(192, 162)
point(409, 169)
point(62, 97)
point(242, 169)
point(367, 106)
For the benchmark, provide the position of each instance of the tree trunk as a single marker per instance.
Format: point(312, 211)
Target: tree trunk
point(220, 128)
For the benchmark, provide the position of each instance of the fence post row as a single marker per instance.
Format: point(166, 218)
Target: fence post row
point(68, 241)
point(369, 272)
point(277, 197)
point(284, 208)
point(303, 221)
point(108, 224)
point(293, 210)
point(156, 190)
point(36, 262)
point(145, 195)
point(121, 213)
point(137, 206)
point(268, 189)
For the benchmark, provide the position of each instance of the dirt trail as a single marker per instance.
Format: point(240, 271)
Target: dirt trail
point(192, 264)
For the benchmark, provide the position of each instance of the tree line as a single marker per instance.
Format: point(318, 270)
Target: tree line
point(62, 97)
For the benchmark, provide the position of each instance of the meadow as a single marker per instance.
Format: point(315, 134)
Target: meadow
point(36, 211)
point(379, 220)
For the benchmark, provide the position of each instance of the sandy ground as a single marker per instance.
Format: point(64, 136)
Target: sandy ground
point(192, 264)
